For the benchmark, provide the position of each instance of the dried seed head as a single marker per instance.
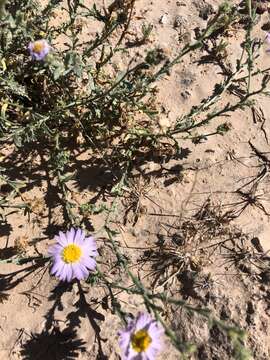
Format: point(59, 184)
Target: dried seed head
point(37, 205)
point(21, 243)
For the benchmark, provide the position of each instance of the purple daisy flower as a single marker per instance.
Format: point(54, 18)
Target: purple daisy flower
point(140, 340)
point(73, 255)
point(39, 49)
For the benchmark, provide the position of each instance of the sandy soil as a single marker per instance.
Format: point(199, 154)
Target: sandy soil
point(208, 259)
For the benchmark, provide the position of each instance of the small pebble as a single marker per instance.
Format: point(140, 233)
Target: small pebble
point(164, 20)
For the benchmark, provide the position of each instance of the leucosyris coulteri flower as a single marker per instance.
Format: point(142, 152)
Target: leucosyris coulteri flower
point(73, 255)
point(39, 49)
point(141, 339)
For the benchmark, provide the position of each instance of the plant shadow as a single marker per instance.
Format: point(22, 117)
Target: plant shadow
point(54, 344)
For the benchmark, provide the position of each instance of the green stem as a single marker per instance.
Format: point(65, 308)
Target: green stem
point(3, 9)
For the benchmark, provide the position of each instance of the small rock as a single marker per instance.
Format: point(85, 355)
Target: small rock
point(150, 166)
point(164, 20)
point(153, 166)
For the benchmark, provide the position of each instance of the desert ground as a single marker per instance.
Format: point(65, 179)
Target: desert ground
point(194, 226)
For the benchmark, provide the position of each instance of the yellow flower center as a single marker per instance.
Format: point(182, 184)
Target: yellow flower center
point(38, 46)
point(140, 341)
point(71, 253)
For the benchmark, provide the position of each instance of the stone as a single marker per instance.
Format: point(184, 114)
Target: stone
point(164, 20)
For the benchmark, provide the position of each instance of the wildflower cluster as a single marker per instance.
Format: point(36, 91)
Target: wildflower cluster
point(73, 257)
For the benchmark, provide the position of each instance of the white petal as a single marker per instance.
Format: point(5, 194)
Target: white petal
point(79, 237)
point(63, 239)
point(70, 235)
